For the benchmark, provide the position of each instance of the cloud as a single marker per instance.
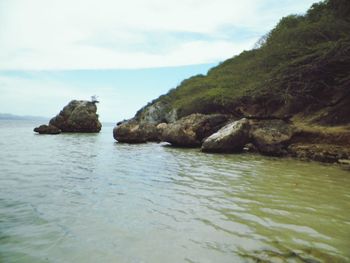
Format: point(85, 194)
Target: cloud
point(96, 34)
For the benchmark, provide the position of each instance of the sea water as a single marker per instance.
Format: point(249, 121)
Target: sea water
point(85, 198)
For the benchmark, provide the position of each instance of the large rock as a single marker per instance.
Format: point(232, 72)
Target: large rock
point(271, 137)
point(47, 129)
point(78, 116)
point(231, 138)
point(134, 132)
point(191, 130)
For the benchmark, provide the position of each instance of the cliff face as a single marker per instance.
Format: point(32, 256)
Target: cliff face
point(300, 68)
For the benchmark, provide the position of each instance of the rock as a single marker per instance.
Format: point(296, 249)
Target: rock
point(271, 137)
point(147, 125)
point(231, 138)
point(159, 112)
point(47, 129)
point(268, 136)
point(161, 127)
point(326, 153)
point(344, 161)
point(78, 116)
point(249, 147)
point(134, 132)
point(191, 130)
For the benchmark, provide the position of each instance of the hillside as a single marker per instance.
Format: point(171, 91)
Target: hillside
point(300, 68)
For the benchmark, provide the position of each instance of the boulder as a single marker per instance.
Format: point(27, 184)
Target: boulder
point(271, 137)
point(191, 130)
point(231, 138)
point(47, 129)
point(134, 132)
point(78, 116)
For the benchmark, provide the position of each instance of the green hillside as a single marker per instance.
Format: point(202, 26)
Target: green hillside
point(301, 67)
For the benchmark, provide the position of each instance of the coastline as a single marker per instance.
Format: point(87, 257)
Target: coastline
point(302, 141)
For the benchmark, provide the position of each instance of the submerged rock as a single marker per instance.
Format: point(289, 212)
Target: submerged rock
point(78, 116)
point(47, 129)
point(134, 132)
point(326, 153)
point(191, 130)
point(231, 138)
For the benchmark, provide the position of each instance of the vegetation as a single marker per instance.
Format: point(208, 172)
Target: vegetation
point(302, 66)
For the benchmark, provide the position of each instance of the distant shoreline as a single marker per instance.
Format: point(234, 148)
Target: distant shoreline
point(8, 116)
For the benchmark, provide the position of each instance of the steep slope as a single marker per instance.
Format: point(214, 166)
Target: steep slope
point(300, 68)
point(298, 73)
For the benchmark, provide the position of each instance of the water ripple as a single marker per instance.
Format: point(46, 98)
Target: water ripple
point(85, 198)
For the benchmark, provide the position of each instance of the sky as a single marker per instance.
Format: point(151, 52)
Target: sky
point(126, 52)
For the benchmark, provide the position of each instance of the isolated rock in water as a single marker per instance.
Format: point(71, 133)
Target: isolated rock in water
point(134, 132)
point(231, 138)
point(78, 116)
point(191, 130)
point(47, 129)
point(271, 137)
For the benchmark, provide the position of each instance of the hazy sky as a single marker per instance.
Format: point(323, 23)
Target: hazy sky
point(52, 51)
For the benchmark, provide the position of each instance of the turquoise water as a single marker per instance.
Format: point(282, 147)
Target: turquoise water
point(85, 198)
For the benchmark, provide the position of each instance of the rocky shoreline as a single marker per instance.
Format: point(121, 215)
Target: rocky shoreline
point(221, 133)
point(289, 96)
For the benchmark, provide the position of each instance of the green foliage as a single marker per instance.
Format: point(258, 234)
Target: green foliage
point(303, 61)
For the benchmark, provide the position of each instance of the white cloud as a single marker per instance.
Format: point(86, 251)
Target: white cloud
point(66, 34)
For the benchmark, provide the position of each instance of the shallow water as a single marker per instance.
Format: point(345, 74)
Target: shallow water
point(85, 198)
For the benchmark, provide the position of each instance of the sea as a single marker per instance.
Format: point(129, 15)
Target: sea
point(86, 198)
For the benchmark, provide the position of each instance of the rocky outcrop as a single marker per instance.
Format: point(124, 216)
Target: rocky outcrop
point(155, 113)
point(231, 138)
point(147, 125)
point(270, 137)
point(47, 129)
point(134, 132)
point(191, 130)
point(78, 116)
